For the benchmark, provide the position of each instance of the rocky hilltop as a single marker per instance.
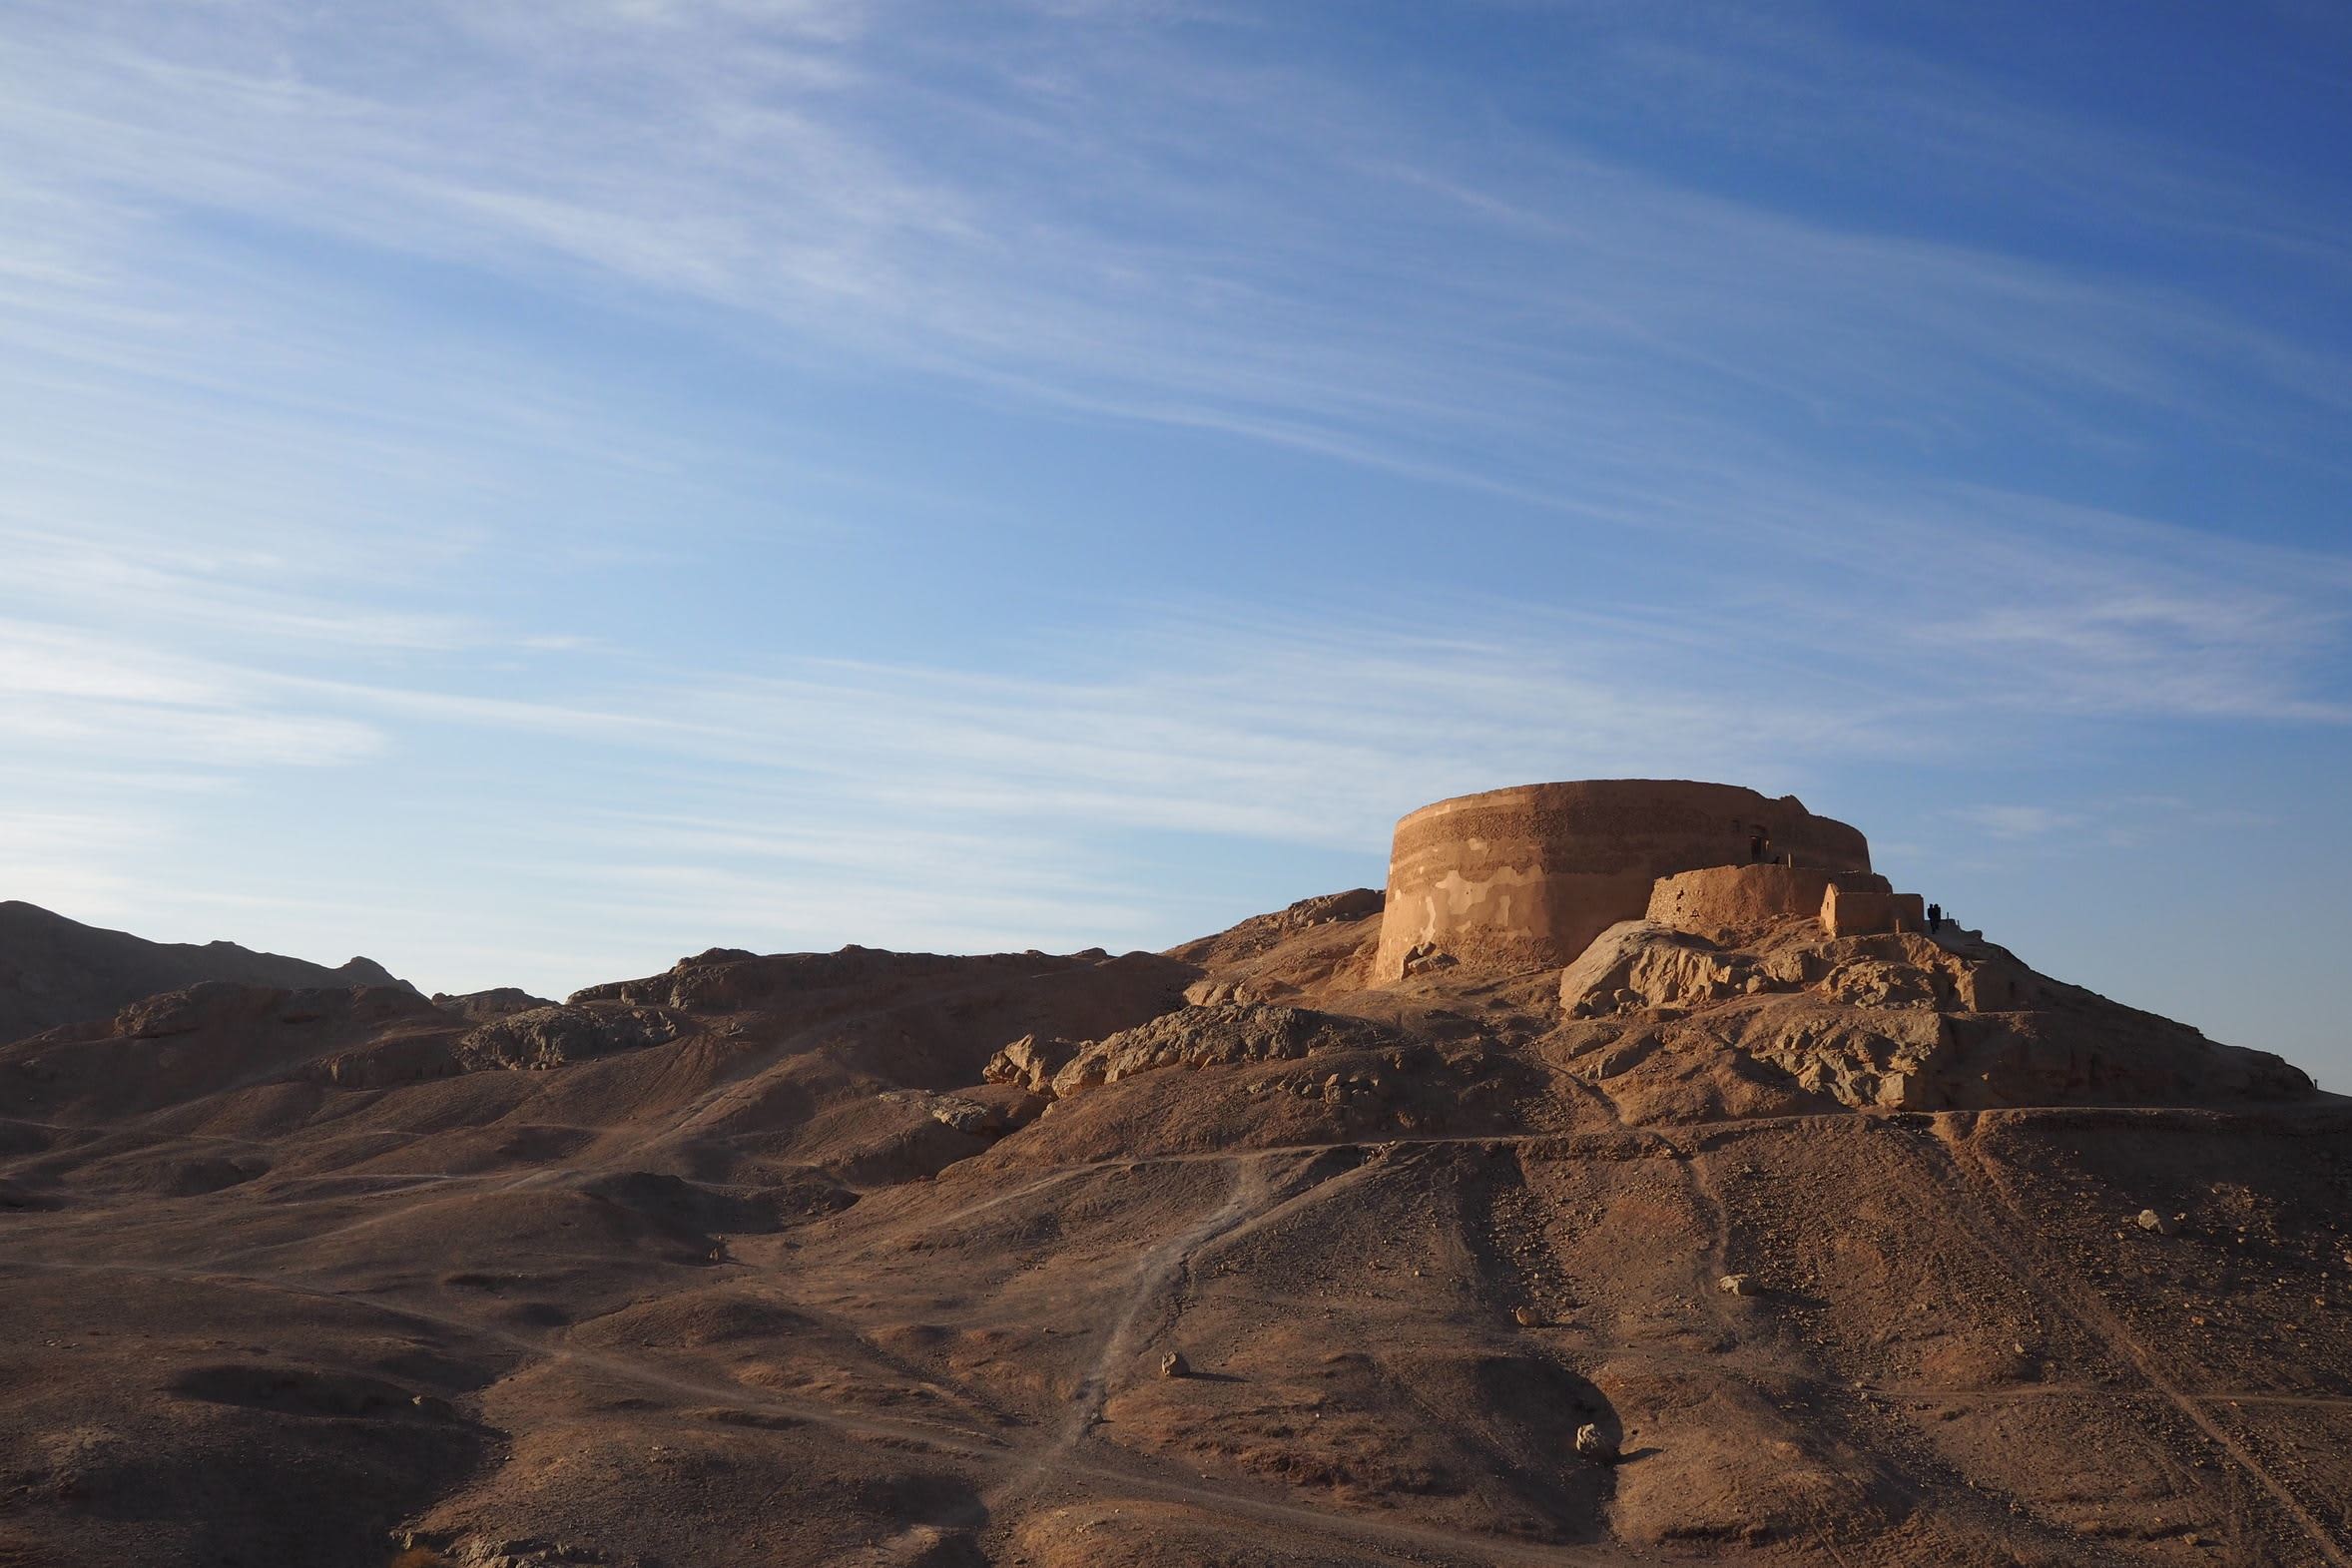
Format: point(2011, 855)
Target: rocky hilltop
point(1740, 1236)
point(57, 972)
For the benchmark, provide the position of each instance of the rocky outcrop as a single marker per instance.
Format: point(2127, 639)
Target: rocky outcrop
point(1222, 1035)
point(1030, 1062)
point(1253, 937)
point(1637, 966)
point(215, 1036)
point(1853, 1055)
point(225, 1004)
point(553, 1036)
point(1895, 1020)
point(1315, 951)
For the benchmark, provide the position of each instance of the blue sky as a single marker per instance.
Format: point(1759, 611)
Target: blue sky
point(526, 491)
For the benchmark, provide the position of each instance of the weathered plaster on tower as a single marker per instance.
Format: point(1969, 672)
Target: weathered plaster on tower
point(1526, 878)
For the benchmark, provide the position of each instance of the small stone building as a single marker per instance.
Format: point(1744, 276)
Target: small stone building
point(1868, 912)
point(1748, 899)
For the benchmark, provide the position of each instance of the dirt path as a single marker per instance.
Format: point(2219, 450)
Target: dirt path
point(1058, 1462)
point(1968, 1177)
point(1154, 1274)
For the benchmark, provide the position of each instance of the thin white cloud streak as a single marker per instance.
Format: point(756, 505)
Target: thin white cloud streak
point(1230, 724)
point(1192, 726)
point(2019, 822)
point(147, 581)
point(2080, 829)
point(2021, 604)
point(800, 870)
point(1307, 733)
point(77, 698)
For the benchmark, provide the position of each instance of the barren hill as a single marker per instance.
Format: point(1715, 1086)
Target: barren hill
point(57, 972)
point(1848, 1250)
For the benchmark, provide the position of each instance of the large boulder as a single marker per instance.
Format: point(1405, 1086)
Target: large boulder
point(1030, 1062)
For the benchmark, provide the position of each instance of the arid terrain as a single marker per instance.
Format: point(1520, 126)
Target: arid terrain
point(1866, 1250)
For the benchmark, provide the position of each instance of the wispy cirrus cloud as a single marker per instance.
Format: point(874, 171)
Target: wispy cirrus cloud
point(1544, 327)
point(154, 585)
point(76, 698)
point(869, 189)
point(2019, 822)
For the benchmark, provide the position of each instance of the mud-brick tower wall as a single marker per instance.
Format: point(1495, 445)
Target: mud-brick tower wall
point(1526, 878)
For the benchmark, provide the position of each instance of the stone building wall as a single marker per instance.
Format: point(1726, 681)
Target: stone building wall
point(1748, 899)
point(1861, 912)
point(1526, 877)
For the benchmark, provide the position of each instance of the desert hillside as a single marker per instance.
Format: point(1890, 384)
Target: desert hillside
point(1847, 1250)
point(57, 971)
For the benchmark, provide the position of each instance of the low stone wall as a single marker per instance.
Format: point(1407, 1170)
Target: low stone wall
point(1749, 898)
point(1857, 912)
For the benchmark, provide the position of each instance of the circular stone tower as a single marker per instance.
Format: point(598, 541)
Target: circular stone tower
point(1526, 878)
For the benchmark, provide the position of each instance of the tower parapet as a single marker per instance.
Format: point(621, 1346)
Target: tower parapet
point(1526, 877)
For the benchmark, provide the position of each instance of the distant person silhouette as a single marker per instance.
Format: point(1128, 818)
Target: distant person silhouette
point(1935, 918)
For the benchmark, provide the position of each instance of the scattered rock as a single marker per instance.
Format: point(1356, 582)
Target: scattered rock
point(1595, 1446)
point(1424, 957)
point(2149, 1220)
point(965, 1116)
point(1173, 1364)
point(1737, 1284)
